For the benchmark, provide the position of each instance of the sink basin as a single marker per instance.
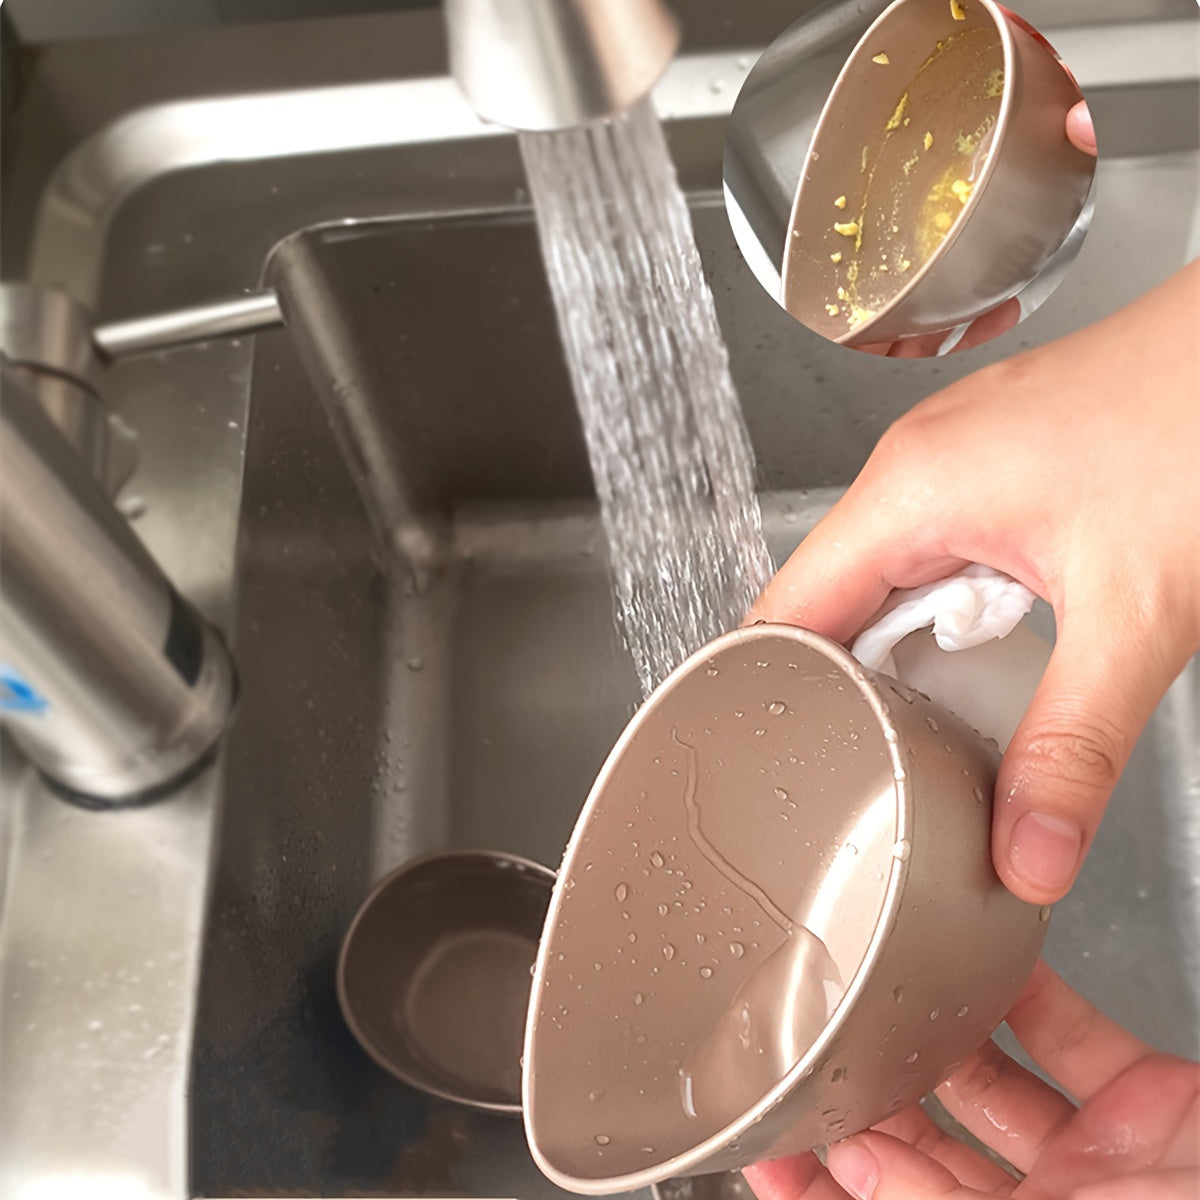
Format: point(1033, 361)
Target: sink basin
point(426, 649)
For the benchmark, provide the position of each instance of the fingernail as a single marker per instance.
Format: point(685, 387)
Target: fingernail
point(855, 1169)
point(1045, 850)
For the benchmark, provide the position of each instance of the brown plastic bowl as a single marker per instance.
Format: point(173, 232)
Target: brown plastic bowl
point(769, 776)
point(433, 977)
point(989, 79)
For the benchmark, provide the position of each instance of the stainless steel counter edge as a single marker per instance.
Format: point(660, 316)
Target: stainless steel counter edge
point(102, 913)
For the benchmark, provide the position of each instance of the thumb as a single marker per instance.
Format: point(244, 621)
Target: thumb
point(1101, 686)
point(1080, 131)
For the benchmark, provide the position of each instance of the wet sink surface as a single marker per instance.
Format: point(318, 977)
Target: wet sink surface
point(456, 681)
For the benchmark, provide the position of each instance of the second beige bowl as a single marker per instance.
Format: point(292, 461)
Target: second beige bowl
point(776, 923)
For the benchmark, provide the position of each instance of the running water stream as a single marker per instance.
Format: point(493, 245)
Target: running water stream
point(674, 472)
point(673, 465)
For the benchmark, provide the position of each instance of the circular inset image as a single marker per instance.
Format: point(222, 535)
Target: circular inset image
point(915, 188)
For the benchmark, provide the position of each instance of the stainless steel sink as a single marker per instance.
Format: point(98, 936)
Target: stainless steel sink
point(168, 1023)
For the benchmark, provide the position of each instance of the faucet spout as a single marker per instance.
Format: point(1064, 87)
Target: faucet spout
point(553, 64)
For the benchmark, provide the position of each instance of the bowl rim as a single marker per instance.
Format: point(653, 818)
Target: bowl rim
point(500, 860)
point(688, 1161)
point(1000, 22)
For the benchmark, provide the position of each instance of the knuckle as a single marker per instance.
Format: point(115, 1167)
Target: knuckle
point(929, 1140)
point(975, 1079)
point(1084, 751)
point(1077, 1032)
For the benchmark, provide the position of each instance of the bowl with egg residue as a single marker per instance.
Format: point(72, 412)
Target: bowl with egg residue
point(939, 181)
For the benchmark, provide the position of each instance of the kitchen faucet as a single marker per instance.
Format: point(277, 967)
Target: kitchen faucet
point(110, 682)
point(552, 64)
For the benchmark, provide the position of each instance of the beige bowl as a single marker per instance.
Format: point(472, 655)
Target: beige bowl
point(433, 976)
point(776, 923)
point(939, 181)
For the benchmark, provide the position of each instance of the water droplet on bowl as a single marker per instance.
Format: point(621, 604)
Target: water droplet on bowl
point(638, 998)
point(737, 949)
point(622, 891)
point(706, 972)
point(902, 849)
point(668, 952)
point(1044, 913)
point(602, 1139)
point(962, 1012)
point(912, 1058)
point(933, 725)
point(656, 859)
point(937, 1012)
point(777, 708)
point(897, 994)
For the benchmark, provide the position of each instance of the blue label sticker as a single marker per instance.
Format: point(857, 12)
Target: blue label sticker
point(17, 694)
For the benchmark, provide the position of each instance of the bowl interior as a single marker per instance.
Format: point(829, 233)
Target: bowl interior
point(719, 894)
point(435, 973)
point(902, 144)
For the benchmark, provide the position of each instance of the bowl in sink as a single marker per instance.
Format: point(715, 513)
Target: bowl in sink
point(433, 977)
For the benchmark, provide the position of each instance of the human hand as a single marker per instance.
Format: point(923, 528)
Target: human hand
point(1133, 1136)
point(992, 324)
point(1074, 468)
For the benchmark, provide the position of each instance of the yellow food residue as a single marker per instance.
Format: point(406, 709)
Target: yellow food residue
point(858, 315)
point(994, 86)
point(882, 59)
point(905, 264)
point(832, 309)
point(898, 115)
point(956, 11)
point(943, 202)
point(928, 140)
point(840, 202)
point(836, 257)
point(846, 228)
